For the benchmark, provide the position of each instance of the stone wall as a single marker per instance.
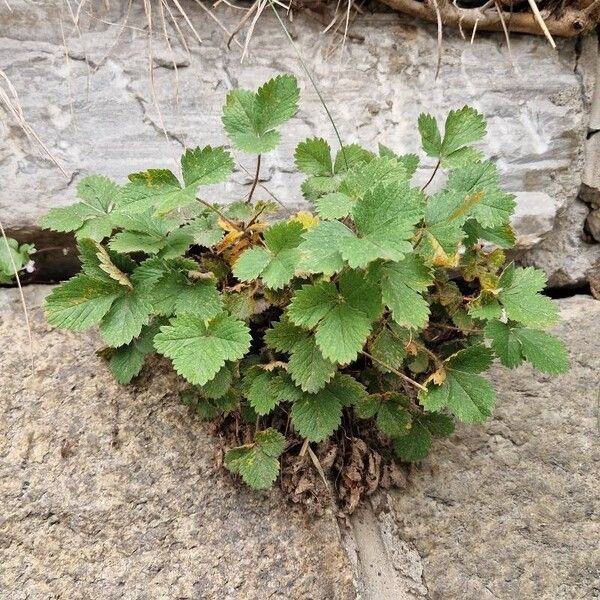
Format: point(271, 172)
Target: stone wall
point(87, 92)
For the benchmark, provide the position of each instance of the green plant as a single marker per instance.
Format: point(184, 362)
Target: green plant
point(13, 258)
point(386, 304)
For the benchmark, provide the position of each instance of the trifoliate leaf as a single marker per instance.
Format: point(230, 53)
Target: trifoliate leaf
point(316, 416)
point(513, 344)
point(388, 346)
point(127, 361)
point(416, 442)
point(334, 206)
point(80, 302)
point(159, 190)
point(402, 286)
point(265, 390)
point(313, 157)
point(473, 192)
point(431, 139)
point(463, 127)
point(342, 316)
point(307, 367)
point(198, 350)
point(125, 319)
point(385, 220)
point(219, 385)
point(390, 411)
point(175, 293)
point(89, 218)
point(277, 263)
point(206, 166)
point(409, 161)
point(467, 395)
point(520, 297)
point(250, 118)
point(257, 463)
point(321, 250)
point(349, 156)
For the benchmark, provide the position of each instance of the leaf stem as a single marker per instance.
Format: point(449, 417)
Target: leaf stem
point(435, 170)
point(396, 372)
point(218, 212)
point(312, 81)
point(255, 182)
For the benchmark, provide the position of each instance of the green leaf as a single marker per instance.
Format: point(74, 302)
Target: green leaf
point(342, 317)
point(409, 161)
point(257, 464)
point(389, 346)
point(307, 367)
point(250, 118)
point(127, 361)
point(335, 205)
point(277, 263)
point(175, 293)
point(313, 157)
point(402, 286)
point(283, 335)
point(466, 394)
point(385, 220)
point(463, 127)
point(13, 256)
point(205, 166)
point(513, 344)
point(501, 235)
point(125, 319)
point(198, 350)
point(204, 230)
point(365, 176)
point(416, 443)
point(265, 390)
point(316, 416)
point(321, 250)
point(349, 156)
point(91, 217)
point(80, 302)
point(473, 192)
point(431, 139)
point(219, 385)
point(392, 415)
point(519, 294)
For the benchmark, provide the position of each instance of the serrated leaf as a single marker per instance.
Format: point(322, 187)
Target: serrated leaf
point(205, 166)
point(365, 176)
point(520, 297)
point(264, 390)
point(389, 346)
point(316, 416)
point(463, 127)
point(409, 161)
point(13, 256)
point(89, 218)
point(349, 156)
point(313, 157)
point(125, 319)
point(175, 293)
point(80, 302)
point(277, 263)
point(204, 230)
point(257, 464)
point(342, 316)
point(416, 443)
point(315, 187)
point(467, 395)
point(283, 335)
point(127, 361)
point(320, 252)
point(250, 118)
point(431, 139)
point(336, 205)
point(198, 350)
point(513, 344)
point(390, 411)
point(385, 219)
point(501, 235)
point(307, 367)
point(219, 385)
point(402, 286)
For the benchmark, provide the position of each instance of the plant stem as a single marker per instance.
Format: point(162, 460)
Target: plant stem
point(312, 81)
point(218, 212)
point(254, 183)
point(396, 372)
point(435, 170)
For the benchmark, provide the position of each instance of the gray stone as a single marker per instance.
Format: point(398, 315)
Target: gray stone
point(111, 492)
point(94, 106)
point(511, 509)
point(593, 224)
point(534, 218)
